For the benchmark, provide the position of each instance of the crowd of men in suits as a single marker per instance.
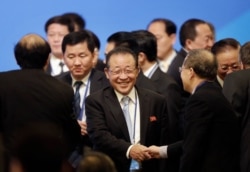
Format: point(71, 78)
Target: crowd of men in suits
point(146, 106)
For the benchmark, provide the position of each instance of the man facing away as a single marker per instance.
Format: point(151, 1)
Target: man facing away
point(123, 119)
point(30, 96)
point(211, 133)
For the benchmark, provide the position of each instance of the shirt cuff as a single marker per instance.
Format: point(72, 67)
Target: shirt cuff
point(163, 151)
point(127, 153)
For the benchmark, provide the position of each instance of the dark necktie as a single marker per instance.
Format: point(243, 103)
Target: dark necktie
point(61, 64)
point(77, 98)
point(134, 165)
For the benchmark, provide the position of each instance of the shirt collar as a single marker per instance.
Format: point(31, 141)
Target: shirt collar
point(84, 80)
point(221, 82)
point(148, 71)
point(131, 95)
point(55, 60)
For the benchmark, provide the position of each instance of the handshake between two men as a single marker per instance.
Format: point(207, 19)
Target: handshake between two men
point(140, 153)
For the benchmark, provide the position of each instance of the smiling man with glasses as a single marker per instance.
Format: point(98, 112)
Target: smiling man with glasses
point(123, 129)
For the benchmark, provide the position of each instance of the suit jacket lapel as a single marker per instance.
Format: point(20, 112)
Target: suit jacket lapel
point(156, 74)
point(144, 114)
point(68, 79)
point(49, 69)
point(94, 83)
point(116, 111)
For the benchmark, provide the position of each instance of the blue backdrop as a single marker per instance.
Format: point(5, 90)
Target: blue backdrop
point(230, 18)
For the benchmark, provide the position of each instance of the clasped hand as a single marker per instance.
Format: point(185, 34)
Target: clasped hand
point(140, 153)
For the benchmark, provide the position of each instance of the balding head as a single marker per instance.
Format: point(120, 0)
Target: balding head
point(203, 63)
point(32, 51)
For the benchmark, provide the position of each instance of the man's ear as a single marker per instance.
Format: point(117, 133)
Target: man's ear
point(173, 38)
point(96, 56)
point(188, 44)
point(46, 64)
point(106, 72)
point(141, 58)
point(191, 73)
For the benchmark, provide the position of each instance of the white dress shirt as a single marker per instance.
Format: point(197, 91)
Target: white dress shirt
point(55, 65)
point(164, 64)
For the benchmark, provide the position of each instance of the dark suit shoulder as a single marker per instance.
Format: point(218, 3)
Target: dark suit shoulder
point(164, 78)
point(212, 97)
point(207, 88)
point(242, 74)
point(178, 60)
point(144, 82)
point(98, 74)
point(65, 76)
point(100, 65)
point(149, 93)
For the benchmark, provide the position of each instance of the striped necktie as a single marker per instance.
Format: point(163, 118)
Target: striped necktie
point(77, 98)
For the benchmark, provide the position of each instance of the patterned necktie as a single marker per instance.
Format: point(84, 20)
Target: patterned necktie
point(77, 98)
point(61, 64)
point(125, 109)
point(134, 165)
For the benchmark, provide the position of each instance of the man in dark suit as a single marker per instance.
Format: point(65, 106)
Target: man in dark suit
point(31, 96)
point(108, 126)
point(211, 138)
point(79, 56)
point(236, 90)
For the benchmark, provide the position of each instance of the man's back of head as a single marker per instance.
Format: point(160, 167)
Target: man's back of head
point(37, 148)
point(32, 51)
point(76, 19)
point(202, 62)
point(146, 43)
point(96, 162)
point(122, 38)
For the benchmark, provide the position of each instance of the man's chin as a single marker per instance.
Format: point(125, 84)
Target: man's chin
point(124, 91)
point(78, 76)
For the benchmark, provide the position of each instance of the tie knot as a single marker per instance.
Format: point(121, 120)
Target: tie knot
point(61, 64)
point(125, 100)
point(78, 84)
